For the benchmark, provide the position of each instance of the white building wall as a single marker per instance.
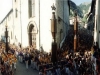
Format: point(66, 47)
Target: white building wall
point(1, 31)
point(24, 22)
point(63, 14)
point(7, 21)
point(17, 24)
point(21, 23)
point(10, 27)
point(36, 23)
point(98, 21)
point(45, 24)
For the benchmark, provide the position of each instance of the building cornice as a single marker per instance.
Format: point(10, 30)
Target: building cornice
point(7, 15)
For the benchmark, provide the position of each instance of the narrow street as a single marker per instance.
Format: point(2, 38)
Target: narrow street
point(21, 70)
point(49, 37)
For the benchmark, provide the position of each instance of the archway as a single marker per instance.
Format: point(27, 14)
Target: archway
point(32, 35)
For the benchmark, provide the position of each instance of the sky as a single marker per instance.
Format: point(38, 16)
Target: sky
point(6, 5)
point(78, 2)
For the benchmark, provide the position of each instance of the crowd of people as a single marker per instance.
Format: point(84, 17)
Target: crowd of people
point(84, 43)
point(29, 56)
point(69, 65)
point(82, 62)
point(7, 61)
point(84, 40)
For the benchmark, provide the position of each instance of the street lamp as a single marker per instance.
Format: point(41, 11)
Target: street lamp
point(53, 31)
point(6, 36)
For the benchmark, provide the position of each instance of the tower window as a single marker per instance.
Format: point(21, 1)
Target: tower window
point(16, 13)
point(31, 4)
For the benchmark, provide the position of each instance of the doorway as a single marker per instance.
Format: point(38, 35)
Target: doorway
point(32, 36)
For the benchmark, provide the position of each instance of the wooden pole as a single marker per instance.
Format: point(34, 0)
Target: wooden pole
point(75, 32)
point(75, 43)
point(53, 31)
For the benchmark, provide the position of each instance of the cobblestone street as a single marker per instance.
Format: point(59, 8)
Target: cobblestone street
point(21, 70)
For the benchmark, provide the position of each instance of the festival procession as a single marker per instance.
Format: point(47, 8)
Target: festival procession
point(81, 64)
point(50, 37)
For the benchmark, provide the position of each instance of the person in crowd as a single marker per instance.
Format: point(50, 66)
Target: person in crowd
point(26, 60)
point(67, 64)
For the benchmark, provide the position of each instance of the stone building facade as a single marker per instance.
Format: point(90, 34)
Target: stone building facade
point(8, 20)
point(31, 24)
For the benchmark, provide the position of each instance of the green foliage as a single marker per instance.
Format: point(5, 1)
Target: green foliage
point(84, 7)
point(74, 7)
point(84, 19)
point(71, 13)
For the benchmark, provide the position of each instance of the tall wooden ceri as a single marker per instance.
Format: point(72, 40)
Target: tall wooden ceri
point(6, 36)
point(75, 31)
point(53, 32)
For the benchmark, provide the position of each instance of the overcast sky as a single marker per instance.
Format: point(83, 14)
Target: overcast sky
point(5, 6)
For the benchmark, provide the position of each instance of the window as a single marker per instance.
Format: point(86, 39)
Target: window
point(15, 37)
point(34, 40)
point(16, 13)
point(31, 8)
point(11, 34)
point(9, 17)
